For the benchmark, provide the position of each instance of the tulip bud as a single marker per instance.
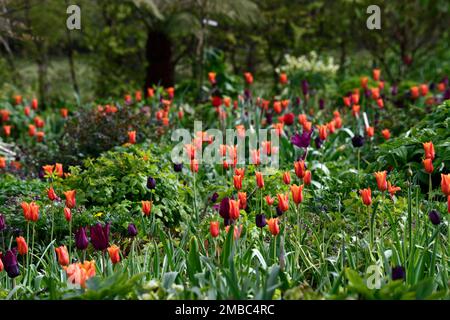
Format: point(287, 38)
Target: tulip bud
point(132, 230)
point(67, 214)
point(177, 167)
point(81, 240)
point(151, 183)
point(10, 264)
point(358, 141)
point(434, 217)
point(398, 273)
point(260, 220)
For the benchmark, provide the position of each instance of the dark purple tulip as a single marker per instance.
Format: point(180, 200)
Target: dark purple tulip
point(367, 93)
point(321, 104)
point(394, 90)
point(2, 223)
point(398, 273)
point(279, 212)
point(434, 217)
point(303, 140)
point(177, 167)
point(432, 86)
point(247, 94)
point(305, 87)
point(214, 197)
point(151, 183)
point(81, 240)
point(318, 142)
point(269, 118)
point(447, 94)
point(132, 230)
point(100, 236)
point(298, 101)
point(224, 208)
point(10, 263)
point(358, 141)
point(260, 220)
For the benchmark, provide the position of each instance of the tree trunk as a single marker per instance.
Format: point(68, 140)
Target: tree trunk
point(160, 67)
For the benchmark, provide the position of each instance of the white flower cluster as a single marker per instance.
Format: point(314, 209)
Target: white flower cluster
point(310, 63)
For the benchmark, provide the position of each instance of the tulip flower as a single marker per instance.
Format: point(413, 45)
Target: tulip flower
point(48, 169)
point(283, 202)
point(398, 273)
point(81, 240)
point(259, 179)
point(305, 87)
point(269, 200)
point(151, 183)
point(297, 193)
point(370, 131)
point(273, 226)
point(64, 112)
point(423, 90)
point(366, 196)
point(242, 196)
point(132, 230)
point(434, 217)
point(70, 198)
point(448, 204)
point(347, 101)
point(30, 211)
point(376, 74)
point(299, 167)
point(212, 77)
point(358, 141)
point(239, 171)
point(63, 255)
point(114, 254)
point(100, 236)
point(392, 189)
point(307, 177)
point(283, 78)
point(79, 273)
point(428, 165)
point(22, 246)
point(132, 137)
point(224, 208)
point(177, 167)
point(414, 92)
point(356, 108)
point(67, 214)
point(31, 130)
point(237, 182)
point(386, 134)
point(51, 194)
point(381, 180)
point(7, 130)
point(445, 184)
point(286, 177)
point(147, 207)
point(59, 169)
point(429, 150)
point(288, 119)
point(10, 264)
point(248, 77)
point(303, 140)
point(236, 231)
point(234, 209)
point(260, 220)
point(323, 132)
point(214, 229)
point(2, 163)
point(1, 263)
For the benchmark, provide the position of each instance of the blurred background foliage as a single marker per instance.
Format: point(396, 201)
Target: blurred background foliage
point(133, 44)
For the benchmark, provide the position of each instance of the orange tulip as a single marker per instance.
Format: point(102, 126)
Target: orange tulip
point(277, 107)
point(63, 255)
point(48, 169)
point(40, 136)
point(214, 229)
point(392, 189)
point(448, 204)
point(364, 81)
point(414, 91)
point(307, 177)
point(64, 112)
point(212, 77)
point(386, 134)
point(302, 118)
point(428, 165)
point(7, 130)
point(445, 183)
point(273, 226)
point(194, 165)
point(51, 194)
point(355, 111)
point(27, 111)
point(242, 200)
point(70, 198)
point(283, 78)
point(34, 104)
point(381, 180)
point(429, 150)
point(31, 130)
point(283, 202)
point(287, 177)
point(441, 87)
point(299, 167)
point(380, 103)
point(22, 246)
point(331, 126)
point(2, 163)
point(355, 98)
point(30, 211)
point(370, 131)
point(132, 137)
point(67, 214)
point(234, 209)
point(114, 254)
point(375, 93)
point(323, 131)
point(248, 77)
point(376, 74)
point(366, 195)
point(79, 273)
point(307, 126)
point(297, 193)
point(259, 179)
point(423, 90)
point(239, 172)
point(237, 182)
point(147, 207)
point(347, 101)
point(338, 122)
point(269, 200)
point(170, 92)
